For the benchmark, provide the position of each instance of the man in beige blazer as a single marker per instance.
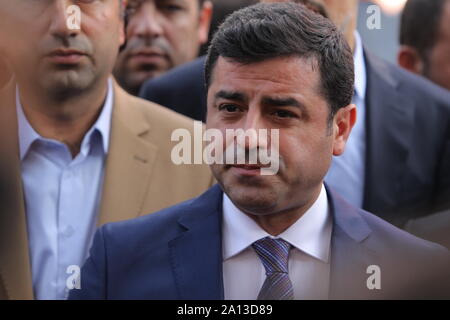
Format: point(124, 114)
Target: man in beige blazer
point(139, 176)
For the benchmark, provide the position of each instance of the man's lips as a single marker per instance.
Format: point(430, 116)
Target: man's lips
point(247, 169)
point(66, 56)
point(147, 57)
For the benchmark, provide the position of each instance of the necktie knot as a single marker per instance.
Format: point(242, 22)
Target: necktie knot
point(273, 253)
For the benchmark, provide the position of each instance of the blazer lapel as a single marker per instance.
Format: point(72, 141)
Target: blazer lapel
point(196, 255)
point(15, 270)
point(349, 256)
point(389, 131)
point(129, 162)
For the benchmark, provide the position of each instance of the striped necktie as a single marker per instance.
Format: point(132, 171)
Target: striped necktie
point(274, 255)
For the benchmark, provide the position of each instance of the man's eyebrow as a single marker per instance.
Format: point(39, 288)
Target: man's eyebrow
point(282, 102)
point(231, 95)
point(285, 102)
point(177, 1)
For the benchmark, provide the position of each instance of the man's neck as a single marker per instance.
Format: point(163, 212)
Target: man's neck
point(66, 121)
point(351, 41)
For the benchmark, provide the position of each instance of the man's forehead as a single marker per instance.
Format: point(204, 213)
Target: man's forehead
point(277, 68)
point(279, 76)
point(137, 2)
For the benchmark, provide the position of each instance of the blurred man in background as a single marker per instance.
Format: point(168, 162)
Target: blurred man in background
point(161, 34)
point(425, 40)
point(82, 152)
point(425, 50)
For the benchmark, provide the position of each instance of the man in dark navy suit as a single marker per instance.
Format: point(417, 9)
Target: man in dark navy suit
point(269, 232)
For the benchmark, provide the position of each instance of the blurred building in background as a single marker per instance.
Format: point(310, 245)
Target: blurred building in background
point(384, 41)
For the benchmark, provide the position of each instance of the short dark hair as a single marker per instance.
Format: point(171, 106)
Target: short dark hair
point(269, 30)
point(419, 26)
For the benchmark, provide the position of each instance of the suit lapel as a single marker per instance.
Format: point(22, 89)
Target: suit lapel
point(129, 162)
point(389, 127)
point(349, 256)
point(349, 262)
point(15, 270)
point(196, 255)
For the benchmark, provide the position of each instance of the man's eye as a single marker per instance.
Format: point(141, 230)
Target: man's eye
point(132, 6)
point(86, 1)
point(170, 7)
point(284, 114)
point(229, 108)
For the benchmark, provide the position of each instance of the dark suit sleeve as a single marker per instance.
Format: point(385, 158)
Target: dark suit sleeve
point(94, 272)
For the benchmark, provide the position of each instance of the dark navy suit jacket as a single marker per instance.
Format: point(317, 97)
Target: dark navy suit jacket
point(177, 254)
point(181, 89)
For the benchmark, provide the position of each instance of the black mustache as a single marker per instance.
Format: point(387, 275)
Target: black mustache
point(134, 45)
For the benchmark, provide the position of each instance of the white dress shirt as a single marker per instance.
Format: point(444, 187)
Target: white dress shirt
point(347, 172)
point(62, 196)
point(309, 258)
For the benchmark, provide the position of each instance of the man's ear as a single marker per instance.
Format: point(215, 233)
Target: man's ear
point(343, 122)
point(5, 72)
point(122, 26)
point(409, 59)
point(204, 24)
point(122, 33)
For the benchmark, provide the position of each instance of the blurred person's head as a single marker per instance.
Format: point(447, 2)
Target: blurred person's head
point(344, 14)
point(425, 40)
point(53, 56)
point(161, 34)
point(223, 9)
point(280, 66)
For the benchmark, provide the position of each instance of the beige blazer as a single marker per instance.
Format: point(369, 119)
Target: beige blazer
point(140, 177)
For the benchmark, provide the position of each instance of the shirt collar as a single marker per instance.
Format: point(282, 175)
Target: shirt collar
point(103, 123)
point(27, 135)
point(310, 234)
point(360, 67)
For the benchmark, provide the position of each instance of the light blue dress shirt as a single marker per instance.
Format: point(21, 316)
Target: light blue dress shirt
point(347, 172)
point(62, 197)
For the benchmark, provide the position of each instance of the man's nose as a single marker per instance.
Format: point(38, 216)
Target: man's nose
point(256, 130)
point(147, 21)
point(65, 19)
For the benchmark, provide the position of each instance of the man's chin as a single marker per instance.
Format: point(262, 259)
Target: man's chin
point(252, 199)
point(65, 84)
